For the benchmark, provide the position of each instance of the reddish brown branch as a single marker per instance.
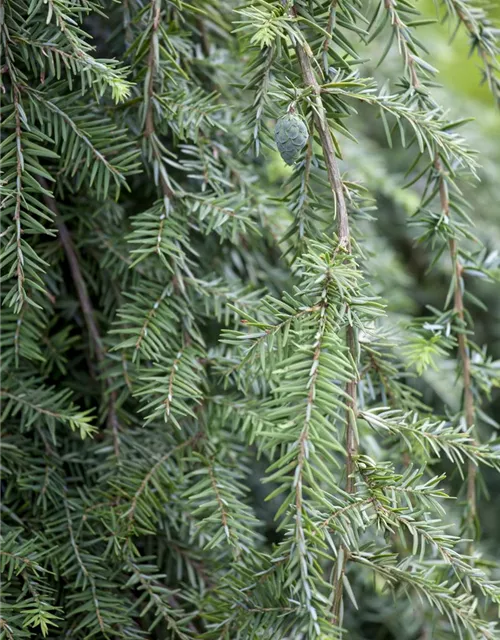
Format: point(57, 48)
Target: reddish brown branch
point(86, 307)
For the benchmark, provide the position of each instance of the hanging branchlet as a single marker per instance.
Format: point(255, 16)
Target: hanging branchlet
point(441, 178)
point(463, 347)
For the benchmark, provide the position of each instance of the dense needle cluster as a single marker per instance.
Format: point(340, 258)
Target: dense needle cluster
point(220, 417)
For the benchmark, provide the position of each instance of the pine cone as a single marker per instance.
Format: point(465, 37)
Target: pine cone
point(291, 135)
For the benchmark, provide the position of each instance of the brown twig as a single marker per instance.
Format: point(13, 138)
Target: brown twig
point(331, 25)
point(86, 307)
point(463, 348)
point(205, 42)
point(344, 239)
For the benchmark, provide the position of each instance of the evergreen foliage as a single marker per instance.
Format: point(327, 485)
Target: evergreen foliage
point(221, 416)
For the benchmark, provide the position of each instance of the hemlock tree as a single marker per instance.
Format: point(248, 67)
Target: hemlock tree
point(220, 417)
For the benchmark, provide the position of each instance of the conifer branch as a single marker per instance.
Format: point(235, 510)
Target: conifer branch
point(96, 155)
point(167, 403)
point(131, 512)
point(330, 26)
point(344, 240)
point(442, 595)
point(87, 575)
point(10, 69)
point(156, 592)
point(463, 348)
point(220, 501)
point(147, 321)
point(149, 121)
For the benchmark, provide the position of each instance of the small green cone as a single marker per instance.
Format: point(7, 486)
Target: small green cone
point(290, 135)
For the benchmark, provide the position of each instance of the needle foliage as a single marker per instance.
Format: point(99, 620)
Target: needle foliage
point(242, 400)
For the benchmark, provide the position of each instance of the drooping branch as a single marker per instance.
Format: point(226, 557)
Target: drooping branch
point(335, 181)
point(463, 348)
